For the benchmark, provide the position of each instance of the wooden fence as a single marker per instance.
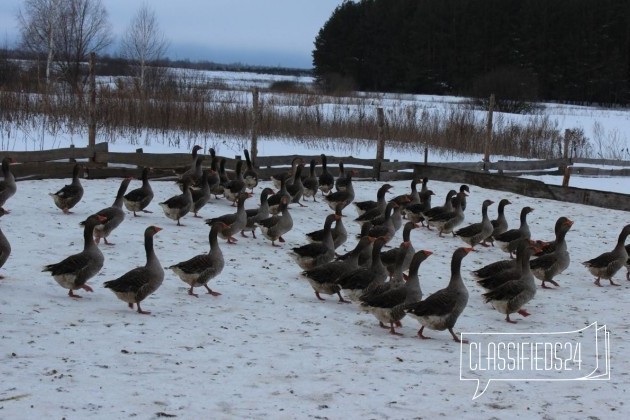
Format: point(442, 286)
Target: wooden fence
point(526, 187)
point(502, 175)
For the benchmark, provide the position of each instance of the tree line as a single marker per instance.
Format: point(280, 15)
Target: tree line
point(565, 50)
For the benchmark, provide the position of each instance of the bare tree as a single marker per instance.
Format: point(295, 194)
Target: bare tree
point(67, 30)
point(38, 20)
point(83, 28)
point(144, 42)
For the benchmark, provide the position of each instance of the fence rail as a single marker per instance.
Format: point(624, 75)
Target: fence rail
point(502, 175)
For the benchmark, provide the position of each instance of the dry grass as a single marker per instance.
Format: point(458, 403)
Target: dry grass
point(187, 110)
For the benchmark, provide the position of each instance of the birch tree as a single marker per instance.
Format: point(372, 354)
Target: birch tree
point(66, 31)
point(38, 21)
point(144, 43)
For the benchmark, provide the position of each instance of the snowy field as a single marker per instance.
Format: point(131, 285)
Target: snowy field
point(267, 348)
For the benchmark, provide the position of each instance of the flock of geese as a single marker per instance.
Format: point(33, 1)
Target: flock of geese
point(384, 283)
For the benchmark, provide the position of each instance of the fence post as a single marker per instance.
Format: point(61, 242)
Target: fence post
point(565, 155)
point(567, 175)
point(92, 101)
point(255, 117)
point(380, 142)
point(380, 133)
point(486, 149)
point(140, 150)
point(426, 155)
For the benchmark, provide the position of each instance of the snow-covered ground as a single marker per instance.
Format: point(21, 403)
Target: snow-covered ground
point(267, 348)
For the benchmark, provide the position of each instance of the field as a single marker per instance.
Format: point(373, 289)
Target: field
point(267, 347)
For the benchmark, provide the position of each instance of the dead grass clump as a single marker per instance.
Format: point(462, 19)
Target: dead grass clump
point(186, 108)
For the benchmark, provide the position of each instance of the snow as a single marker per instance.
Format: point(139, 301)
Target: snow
point(267, 348)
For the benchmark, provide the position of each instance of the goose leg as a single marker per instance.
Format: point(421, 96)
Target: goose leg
point(72, 295)
point(420, 335)
point(507, 318)
point(392, 330)
point(211, 292)
point(140, 311)
point(456, 338)
point(341, 299)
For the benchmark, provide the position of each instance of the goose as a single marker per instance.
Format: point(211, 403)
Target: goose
point(235, 222)
point(340, 182)
point(314, 254)
point(413, 197)
point(384, 226)
point(200, 269)
point(606, 265)
point(201, 196)
point(370, 209)
point(296, 188)
point(500, 224)
point(223, 178)
point(254, 215)
point(415, 212)
point(326, 180)
point(5, 246)
point(397, 218)
point(500, 272)
point(8, 187)
point(365, 257)
point(339, 232)
point(397, 278)
point(193, 174)
point(274, 200)
point(437, 210)
point(70, 195)
point(179, 205)
point(441, 310)
point(389, 257)
point(311, 183)
point(508, 240)
point(275, 226)
point(250, 176)
point(464, 191)
point(233, 188)
point(73, 272)
point(511, 296)
point(215, 180)
point(137, 200)
point(476, 233)
point(114, 214)
point(323, 278)
point(388, 306)
point(446, 222)
point(343, 198)
point(547, 266)
point(136, 285)
point(355, 282)
point(286, 175)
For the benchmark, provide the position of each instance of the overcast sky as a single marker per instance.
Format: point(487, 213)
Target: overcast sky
point(259, 32)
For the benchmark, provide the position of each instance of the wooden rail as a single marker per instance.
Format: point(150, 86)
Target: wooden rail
point(527, 187)
point(101, 163)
